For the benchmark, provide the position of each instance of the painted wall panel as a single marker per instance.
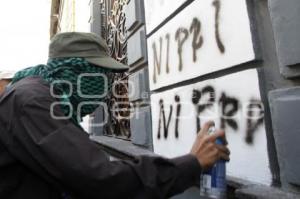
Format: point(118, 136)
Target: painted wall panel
point(141, 127)
point(207, 36)
point(284, 104)
point(285, 18)
point(138, 87)
point(164, 7)
point(137, 49)
point(134, 14)
point(234, 103)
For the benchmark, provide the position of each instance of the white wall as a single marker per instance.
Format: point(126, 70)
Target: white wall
point(226, 42)
point(234, 34)
point(248, 160)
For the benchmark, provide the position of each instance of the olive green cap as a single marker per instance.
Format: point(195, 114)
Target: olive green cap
point(85, 45)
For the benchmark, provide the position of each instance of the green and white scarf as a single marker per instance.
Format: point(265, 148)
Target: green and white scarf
point(59, 70)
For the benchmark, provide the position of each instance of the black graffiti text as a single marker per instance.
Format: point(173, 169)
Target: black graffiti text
point(163, 116)
point(203, 100)
point(229, 107)
point(178, 109)
point(217, 5)
point(253, 125)
point(197, 95)
point(181, 36)
point(197, 38)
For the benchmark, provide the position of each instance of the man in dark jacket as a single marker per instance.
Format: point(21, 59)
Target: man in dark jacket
point(45, 154)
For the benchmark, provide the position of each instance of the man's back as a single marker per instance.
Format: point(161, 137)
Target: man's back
point(16, 180)
point(42, 157)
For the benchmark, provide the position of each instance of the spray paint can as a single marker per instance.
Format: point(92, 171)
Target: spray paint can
point(213, 181)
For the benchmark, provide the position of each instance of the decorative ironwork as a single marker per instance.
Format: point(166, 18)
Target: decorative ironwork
point(114, 31)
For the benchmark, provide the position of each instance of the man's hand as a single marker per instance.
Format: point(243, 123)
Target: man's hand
point(206, 150)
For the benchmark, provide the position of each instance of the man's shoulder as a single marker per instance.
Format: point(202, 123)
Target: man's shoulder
point(32, 90)
point(29, 89)
point(31, 85)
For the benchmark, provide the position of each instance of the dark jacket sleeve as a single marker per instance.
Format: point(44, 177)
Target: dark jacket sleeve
point(60, 149)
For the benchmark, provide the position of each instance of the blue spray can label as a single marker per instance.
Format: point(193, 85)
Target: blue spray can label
point(213, 181)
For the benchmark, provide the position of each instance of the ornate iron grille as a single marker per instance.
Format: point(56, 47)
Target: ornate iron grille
point(114, 31)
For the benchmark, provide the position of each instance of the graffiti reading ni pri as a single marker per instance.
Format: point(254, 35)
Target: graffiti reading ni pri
point(181, 37)
point(229, 107)
point(202, 38)
point(233, 102)
point(231, 111)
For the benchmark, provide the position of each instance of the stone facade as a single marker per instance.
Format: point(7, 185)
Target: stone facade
point(188, 57)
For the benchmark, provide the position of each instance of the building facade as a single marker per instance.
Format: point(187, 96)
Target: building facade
point(69, 15)
point(234, 62)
